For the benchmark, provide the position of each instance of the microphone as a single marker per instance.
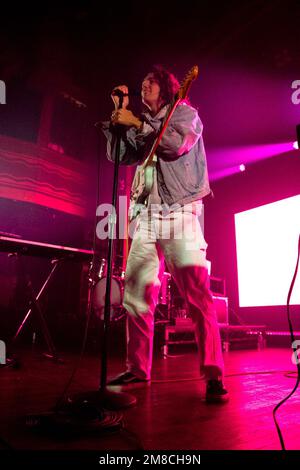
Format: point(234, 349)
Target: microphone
point(121, 94)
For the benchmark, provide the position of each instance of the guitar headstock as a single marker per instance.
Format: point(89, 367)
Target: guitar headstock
point(186, 83)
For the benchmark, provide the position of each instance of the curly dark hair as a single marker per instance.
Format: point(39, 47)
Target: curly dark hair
point(168, 83)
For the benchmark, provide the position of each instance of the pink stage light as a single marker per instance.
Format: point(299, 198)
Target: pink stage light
point(230, 156)
point(242, 167)
point(266, 243)
point(295, 145)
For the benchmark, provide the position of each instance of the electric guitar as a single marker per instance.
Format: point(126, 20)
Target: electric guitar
point(144, 176)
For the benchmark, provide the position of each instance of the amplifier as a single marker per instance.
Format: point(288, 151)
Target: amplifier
point(221, 304)
point(217, 286)
point(182, 317)
point(182, 332)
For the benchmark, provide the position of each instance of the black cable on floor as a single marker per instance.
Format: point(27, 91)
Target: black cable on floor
point(295, 349)
point(238, 374)
point(5, 445)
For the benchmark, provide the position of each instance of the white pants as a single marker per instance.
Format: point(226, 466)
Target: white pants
point(177, 238)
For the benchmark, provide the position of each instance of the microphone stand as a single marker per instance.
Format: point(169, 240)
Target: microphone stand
point(104, 398)
point(92, 410)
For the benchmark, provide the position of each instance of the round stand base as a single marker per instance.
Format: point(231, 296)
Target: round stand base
point(103, 398)
point(74, 422)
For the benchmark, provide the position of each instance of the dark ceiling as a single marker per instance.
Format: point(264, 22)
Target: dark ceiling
point(93, 39)
point(248, 54)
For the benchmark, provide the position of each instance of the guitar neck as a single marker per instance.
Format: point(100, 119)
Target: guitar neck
point(156, 143)
point(181, 94)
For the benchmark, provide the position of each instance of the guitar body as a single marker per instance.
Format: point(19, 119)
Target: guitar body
point(149, 178)
point(141, 188)
point(142, 183)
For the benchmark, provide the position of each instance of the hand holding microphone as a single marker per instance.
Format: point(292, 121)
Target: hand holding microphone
point(121, 90)
point(122, 115)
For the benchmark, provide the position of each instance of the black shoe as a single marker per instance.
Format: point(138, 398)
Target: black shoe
point(126, 378)
point(216, 392)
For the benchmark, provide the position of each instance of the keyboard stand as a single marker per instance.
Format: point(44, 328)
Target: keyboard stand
point(34, 307)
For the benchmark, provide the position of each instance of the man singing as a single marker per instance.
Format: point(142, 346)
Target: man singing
point(167, 229)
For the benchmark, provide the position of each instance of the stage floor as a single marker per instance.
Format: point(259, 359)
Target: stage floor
point(170, 413)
